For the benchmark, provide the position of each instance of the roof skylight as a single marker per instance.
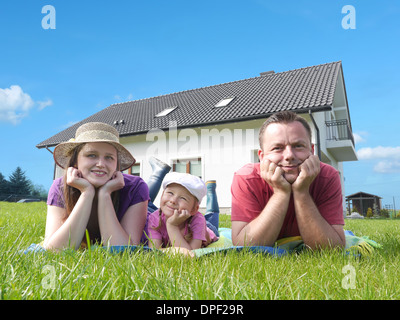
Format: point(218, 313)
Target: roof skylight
point(165, 112)
point(224, 102)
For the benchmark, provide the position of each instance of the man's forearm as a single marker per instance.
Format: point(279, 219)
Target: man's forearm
point(264, 229)
point(314, 229)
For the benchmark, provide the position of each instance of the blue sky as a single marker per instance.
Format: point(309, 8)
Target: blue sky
point(104, 52)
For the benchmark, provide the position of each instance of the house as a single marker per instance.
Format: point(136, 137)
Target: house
point(213, 131)
point(361, 201)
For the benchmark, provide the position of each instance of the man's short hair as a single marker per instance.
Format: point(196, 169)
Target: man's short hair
point(282, 117)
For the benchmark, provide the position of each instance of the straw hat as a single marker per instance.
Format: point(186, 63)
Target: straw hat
point(93, 132)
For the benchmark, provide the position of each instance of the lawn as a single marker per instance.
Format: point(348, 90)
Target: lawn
point(97, 274)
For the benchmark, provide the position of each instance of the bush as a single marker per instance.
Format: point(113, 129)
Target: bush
point(385, 213)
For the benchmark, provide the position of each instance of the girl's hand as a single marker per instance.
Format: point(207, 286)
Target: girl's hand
point(116, 182)
point(178, 217)
point(75, 180)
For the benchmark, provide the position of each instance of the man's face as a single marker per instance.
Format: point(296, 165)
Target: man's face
point(287, 145)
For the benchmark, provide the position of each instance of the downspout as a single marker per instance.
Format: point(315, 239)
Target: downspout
point(47, 148)
point(318, 137)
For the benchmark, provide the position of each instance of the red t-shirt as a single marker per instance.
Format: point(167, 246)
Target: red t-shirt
point(250, 194)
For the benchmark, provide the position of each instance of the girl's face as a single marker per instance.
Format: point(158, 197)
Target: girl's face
point(177, 197)
point(97, 162)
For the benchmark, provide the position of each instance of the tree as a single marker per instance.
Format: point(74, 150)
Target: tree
point(369, 213)
point(4, 187)
point(19, 183)
point(3, 184)
point(354, 209)
point(38, 191)
point(375, 210)
point(385, 213)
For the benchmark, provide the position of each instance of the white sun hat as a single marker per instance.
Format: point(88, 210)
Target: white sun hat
point(192, 183)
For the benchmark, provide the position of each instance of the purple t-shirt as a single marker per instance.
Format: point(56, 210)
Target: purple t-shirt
point(134, 191)
point(197, 226)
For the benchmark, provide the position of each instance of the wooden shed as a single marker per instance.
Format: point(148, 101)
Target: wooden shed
point(361, 201)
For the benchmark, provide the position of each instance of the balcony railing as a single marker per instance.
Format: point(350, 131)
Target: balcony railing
point(338, 130)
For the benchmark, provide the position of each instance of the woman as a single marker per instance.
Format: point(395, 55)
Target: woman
point(94, 194)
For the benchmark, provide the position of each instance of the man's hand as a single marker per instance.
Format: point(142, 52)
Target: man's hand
point(273, 175)
point(309, 170)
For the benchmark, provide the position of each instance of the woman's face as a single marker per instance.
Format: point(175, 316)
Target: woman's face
point(97, 162)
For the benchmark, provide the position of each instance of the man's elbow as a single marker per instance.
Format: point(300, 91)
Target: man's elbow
point(237, 239)
point(238, 233)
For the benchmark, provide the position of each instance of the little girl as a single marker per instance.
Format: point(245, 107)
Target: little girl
point(178, 223)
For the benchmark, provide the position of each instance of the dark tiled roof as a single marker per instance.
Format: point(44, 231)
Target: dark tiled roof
point(361, 195)
point(299, 90)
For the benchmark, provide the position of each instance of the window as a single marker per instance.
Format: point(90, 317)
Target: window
point(192, 166)
point(165, 112)
point(255, 158)
point(134, 170)
point(224, 102)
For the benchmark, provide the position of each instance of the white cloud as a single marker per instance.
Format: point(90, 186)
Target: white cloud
point(378, 153)
point(390, 156)
point(14, 104)
point(359, 137)
point(44, 104)
point(69, 124)
point(387, 166)
point(129, 97)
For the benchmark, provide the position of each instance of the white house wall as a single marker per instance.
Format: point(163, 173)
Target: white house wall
point(223, 149)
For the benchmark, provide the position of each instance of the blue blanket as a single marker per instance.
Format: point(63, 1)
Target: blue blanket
point(358, 246)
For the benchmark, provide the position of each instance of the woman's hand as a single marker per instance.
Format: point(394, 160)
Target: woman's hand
point(116, 182)
point(75, 180)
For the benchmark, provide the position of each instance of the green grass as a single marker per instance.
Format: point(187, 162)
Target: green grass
point(97, 274)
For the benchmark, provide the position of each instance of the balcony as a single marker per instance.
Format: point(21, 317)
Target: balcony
point(340, 140)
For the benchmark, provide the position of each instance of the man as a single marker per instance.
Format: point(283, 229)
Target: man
point(289, 193)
